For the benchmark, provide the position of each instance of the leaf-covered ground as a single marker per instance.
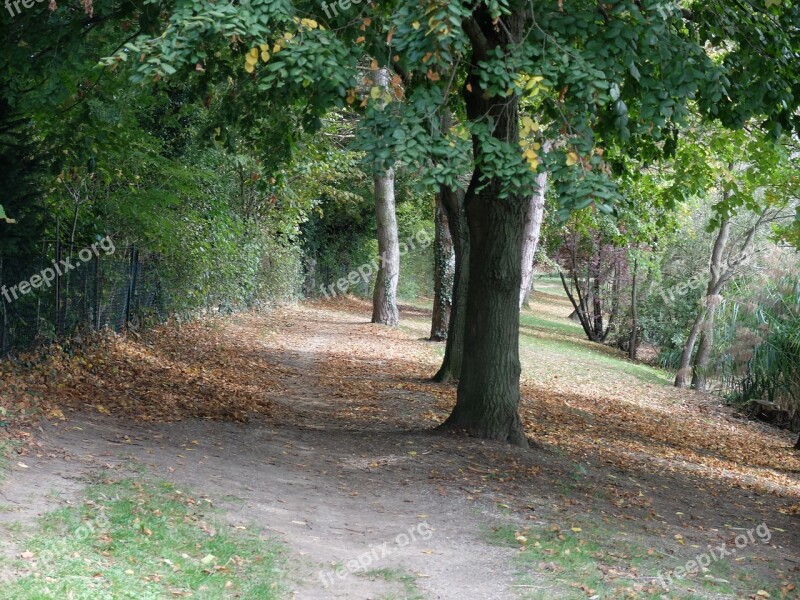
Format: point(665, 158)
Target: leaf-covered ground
point(326, 422)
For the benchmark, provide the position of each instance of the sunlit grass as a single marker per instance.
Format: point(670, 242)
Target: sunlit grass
point(145, 541)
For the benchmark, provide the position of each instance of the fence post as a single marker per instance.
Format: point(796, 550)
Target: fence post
point(96, 311)
point(57, 287)
point(131, 284)
point(5, 308)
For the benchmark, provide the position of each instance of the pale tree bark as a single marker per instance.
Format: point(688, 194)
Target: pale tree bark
point(715, 269)
point(723, 273)
point(384, 298)
point(533, 229)
point(444, 272)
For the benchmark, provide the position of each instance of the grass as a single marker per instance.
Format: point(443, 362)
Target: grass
point(589, 560)
point(6, 447)
point(142, 540)
point(410, 591)
point(599, 358)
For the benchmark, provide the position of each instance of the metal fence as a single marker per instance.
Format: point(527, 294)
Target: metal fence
point(107, 291)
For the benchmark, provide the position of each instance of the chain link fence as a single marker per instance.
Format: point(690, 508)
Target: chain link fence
point(113, 291)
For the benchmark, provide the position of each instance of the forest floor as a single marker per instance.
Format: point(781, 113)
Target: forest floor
point(290, 453)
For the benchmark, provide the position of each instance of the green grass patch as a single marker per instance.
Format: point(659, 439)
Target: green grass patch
point(410, 591)
point(586, 560)
point(601, 359)
point(143, 540)
point(6, 448)
point(564, 326)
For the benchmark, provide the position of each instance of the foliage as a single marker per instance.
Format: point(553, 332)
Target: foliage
point(759, 355)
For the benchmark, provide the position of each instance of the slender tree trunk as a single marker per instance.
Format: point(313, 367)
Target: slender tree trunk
point(616, 290)
point(453, 203)
point(703, 355)
point(715, 268)
point(487, 403)
point(533, 228)
point(444, 273)
point(579, 312)
point(634, 312)
point(384, 298)
point(684, 369)
point(597, 301)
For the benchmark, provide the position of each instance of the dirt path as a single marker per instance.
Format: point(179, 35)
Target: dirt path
point(333, 490)
point(335, 456)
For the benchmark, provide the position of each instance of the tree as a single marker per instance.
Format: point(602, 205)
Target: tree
point(444, 273)
point(384, 300)
point(533, 229)
point(625, 72)
point(750, 173)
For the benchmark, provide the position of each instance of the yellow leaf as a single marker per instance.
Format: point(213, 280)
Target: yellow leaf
point(375, 93)
point(415, 25)
point(265, 56)
point(253, 53)
point(263, 47)
point(533, 82)
point(249, 67)
point(572, 158)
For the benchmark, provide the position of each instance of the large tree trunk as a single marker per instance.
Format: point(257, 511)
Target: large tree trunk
point(714, 285)
point(634, 312)
point(453, 203)
point(533, 228)
point(487, 403)
point(444, 273)
point(384, 298)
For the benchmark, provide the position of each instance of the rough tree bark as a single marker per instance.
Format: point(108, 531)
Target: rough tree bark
point(453, 203)
point(487, 403)
point(533, 228)
point(444, 273)
point(384, 298)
